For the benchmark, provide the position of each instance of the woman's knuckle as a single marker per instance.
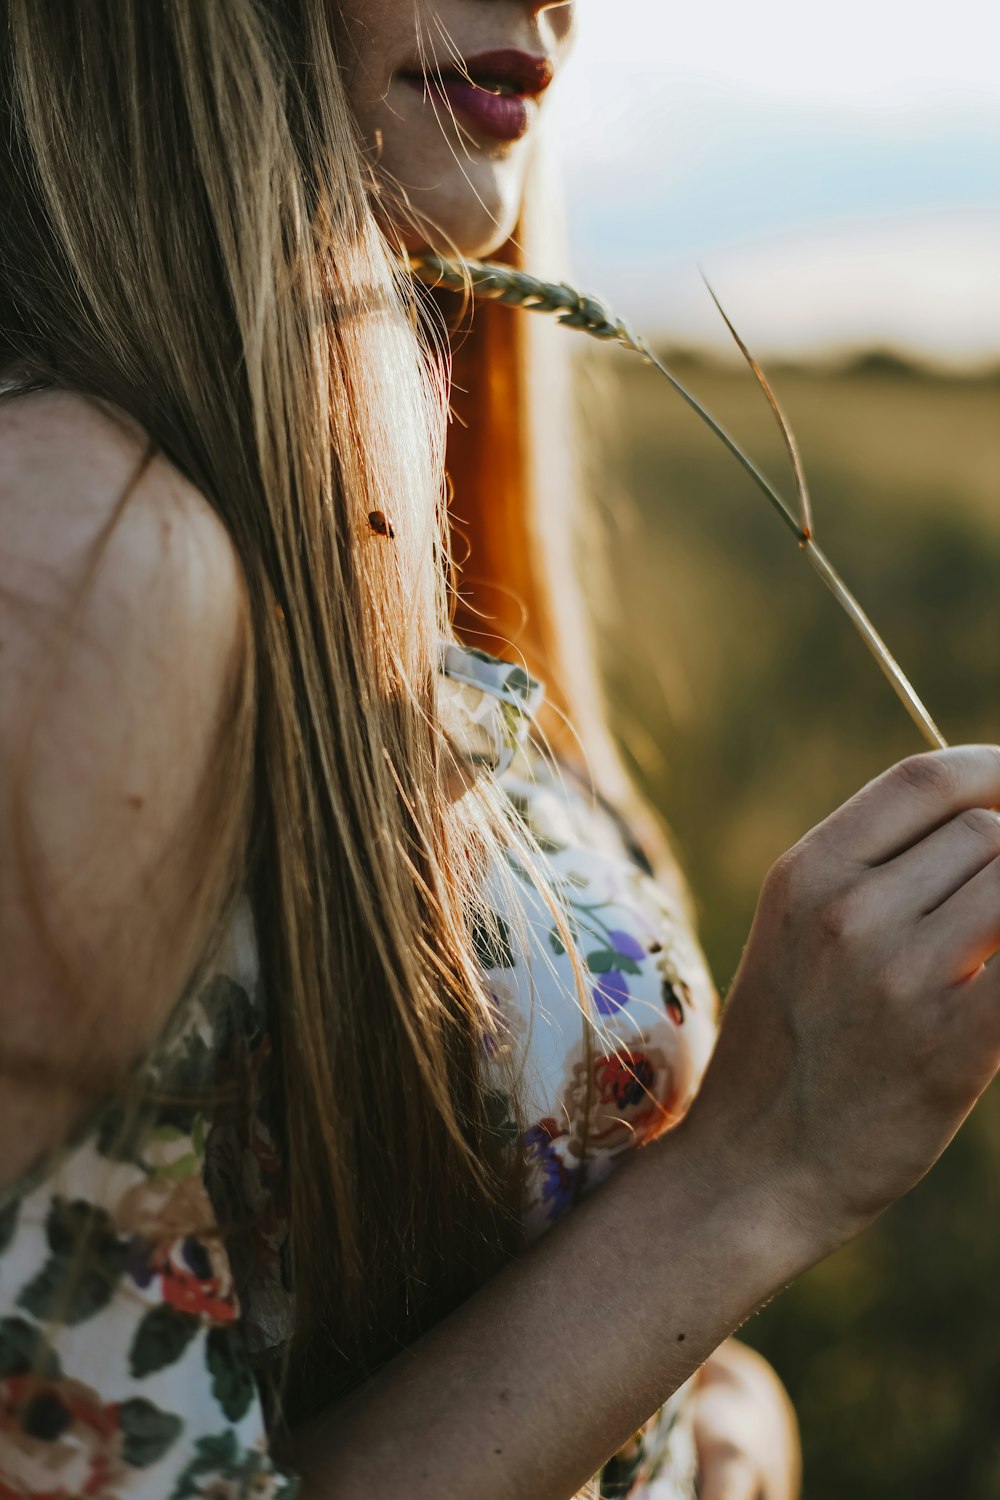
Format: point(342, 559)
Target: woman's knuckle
point(840, 917)
point(928, 774)
point(784, 879)
point(983, 826)
point(797, 880)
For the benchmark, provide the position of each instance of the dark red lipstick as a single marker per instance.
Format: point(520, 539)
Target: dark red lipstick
point(492, 92)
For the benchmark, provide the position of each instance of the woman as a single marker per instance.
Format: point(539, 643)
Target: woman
point(294, 1059)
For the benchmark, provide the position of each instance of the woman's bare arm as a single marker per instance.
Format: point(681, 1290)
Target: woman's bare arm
point(108, 722)
point(859, 1032)
point(530, 1387)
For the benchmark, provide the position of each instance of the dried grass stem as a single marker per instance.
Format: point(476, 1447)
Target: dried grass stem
point(573, 309)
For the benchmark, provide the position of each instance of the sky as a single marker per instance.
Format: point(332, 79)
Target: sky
point(834, 168)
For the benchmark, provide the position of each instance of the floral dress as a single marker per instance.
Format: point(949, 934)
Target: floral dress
point(128, 1343)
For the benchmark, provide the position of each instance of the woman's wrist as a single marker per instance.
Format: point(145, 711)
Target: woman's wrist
point(745, 1182)
point(650, 1274)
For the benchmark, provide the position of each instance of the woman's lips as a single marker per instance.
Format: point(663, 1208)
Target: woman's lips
point(493, 92)
point(503, 116)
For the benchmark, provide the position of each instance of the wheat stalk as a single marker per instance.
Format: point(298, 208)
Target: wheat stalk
point(572, 309)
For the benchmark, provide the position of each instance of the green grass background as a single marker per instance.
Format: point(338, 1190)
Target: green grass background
point(750, 709)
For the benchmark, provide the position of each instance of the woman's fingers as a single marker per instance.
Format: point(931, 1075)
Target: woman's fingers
point(964, 931)
point(853, 1004)
point(974, 1006)
point(923, 878)
point(911, 800)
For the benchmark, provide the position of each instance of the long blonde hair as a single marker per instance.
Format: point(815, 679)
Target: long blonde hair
point(187, 235)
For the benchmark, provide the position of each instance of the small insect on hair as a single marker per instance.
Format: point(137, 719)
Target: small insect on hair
point(380, 524)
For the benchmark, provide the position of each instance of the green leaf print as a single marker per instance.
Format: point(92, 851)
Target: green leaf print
point(169, 1135)
point(22, 1348)
point(556, 943)
point(87, 1261)
point(223, 1468)
point(147, 1432)
point(511, 724)
point(68, 1290)
point(217, 1451)
point(603, 960)
point(179, 1170)
point(75, 1226)
point(46, 1290)
point(161, 1339)
point(215, 1455)
point(232, 1383)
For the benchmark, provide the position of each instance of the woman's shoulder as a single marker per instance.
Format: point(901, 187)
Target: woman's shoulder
point(120, 623)
point(82, 485)
point(68, 462)
point(121, 619)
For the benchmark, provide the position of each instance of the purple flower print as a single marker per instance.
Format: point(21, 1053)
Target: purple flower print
point(610, 993)
point(557, 1180)
point(609, 966)
point(627, 945)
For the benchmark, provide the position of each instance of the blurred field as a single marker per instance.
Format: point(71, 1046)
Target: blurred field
point(750, 709)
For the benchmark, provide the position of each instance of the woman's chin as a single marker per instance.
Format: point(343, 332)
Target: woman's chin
point(437, 240)
point(472, 218)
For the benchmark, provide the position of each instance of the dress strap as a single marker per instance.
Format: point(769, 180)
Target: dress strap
point(487, 706)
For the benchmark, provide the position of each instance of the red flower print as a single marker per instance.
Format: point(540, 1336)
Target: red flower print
point(60, 1440)
point(627, 1104)
point(624, 1079)
point(195, 1278)
point(189, 1294)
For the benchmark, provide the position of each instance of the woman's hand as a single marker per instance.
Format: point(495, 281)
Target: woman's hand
point(860, 1030)
point(862, 1025)
point(745, 1427)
